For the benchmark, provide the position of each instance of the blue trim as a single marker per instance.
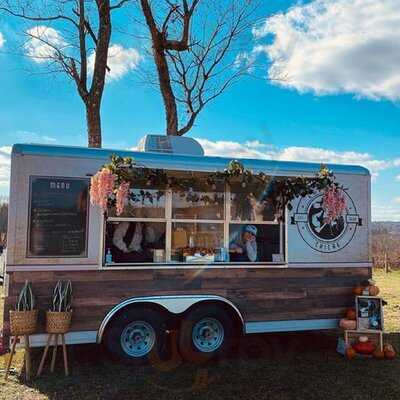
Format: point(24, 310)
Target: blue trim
point(181, 162)
point(290, 326)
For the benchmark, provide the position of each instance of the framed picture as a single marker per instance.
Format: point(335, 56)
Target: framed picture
point(369, 313)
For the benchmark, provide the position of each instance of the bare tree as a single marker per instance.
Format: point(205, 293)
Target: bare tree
point(78, 47)
point(195, 46)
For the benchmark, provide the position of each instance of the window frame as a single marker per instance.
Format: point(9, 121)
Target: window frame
point(168, 220)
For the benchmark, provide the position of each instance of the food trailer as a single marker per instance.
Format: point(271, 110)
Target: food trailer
point(176, 261)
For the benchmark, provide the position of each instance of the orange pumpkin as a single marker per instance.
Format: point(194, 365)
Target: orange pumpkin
point(389, 351)
point(373, 290)
point(379, 354)
point(351, 314)
point(358, 290)
point(390, 355)
point(350, 353)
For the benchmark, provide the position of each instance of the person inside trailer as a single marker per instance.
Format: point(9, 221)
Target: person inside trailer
point(131, 242)
point(243, 247)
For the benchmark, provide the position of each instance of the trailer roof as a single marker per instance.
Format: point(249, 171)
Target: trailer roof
point(185, 162)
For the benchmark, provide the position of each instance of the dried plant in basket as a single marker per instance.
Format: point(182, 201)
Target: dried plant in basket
point(23, 319)
point(58, 319)
point(62, 297)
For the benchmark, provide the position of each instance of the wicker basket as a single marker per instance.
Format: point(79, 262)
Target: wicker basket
point(58, 322)
point(23, 322)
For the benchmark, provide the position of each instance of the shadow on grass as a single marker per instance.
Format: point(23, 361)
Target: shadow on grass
point(269, 366)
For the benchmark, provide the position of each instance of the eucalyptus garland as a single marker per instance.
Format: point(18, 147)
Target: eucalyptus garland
point(278, 192)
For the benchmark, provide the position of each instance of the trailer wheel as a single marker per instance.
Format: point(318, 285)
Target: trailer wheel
point(137, 336)
point(206, 333)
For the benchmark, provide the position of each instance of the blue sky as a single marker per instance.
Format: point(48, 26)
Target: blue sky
point(339, 103)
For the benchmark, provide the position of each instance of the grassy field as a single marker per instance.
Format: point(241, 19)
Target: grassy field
point(274, 367)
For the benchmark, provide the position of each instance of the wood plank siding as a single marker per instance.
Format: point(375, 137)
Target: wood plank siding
point(269, 294)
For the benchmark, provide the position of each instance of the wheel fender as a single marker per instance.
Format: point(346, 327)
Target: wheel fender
point(173, 304)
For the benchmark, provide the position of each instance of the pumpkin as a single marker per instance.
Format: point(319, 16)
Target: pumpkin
point(364, 347)
point(379, 354)
point(351, 314)
point(388, 347)
point(373, 290)
point(390, 355)
point(348, 324)
point(350, 353)
point(358, 290)
point(389, 351)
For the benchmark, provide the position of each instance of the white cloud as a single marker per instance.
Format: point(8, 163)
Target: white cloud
point(234, 149)
point(256, 149)
point(42, 43)
point(5, 152)
point(336, 46)
point(385, 213)
point(2, 40)
point(120, 61)
point(398, 178)
point(33, 137)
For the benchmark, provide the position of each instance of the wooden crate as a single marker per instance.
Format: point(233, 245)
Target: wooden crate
point(351, 336)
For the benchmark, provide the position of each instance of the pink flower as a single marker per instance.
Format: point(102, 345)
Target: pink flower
point(333, 203)
point(94, 190)
point(122, 197)
point(102, 186)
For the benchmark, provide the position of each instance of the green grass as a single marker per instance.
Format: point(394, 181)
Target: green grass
point(274, 367)
point(390, 291)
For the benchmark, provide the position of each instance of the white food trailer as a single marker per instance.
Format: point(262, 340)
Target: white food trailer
point(159, 266)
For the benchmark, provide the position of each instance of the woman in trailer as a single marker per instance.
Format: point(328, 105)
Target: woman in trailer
point(244, 246)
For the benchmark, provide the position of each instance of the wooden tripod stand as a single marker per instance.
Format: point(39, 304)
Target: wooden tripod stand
point(53, 358)
point(27, 356)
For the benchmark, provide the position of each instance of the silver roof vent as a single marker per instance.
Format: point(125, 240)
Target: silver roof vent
point(170, 144)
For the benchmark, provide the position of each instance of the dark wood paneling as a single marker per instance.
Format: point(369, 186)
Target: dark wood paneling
point(260, 294)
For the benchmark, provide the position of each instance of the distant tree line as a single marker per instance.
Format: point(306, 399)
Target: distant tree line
point(385, 249)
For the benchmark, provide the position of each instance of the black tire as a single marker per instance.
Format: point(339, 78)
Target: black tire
point(187, 347)
point(113, 338)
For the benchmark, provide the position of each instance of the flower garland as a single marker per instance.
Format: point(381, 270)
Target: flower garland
point(102, 187)
point(110, 187)
point(333, 203)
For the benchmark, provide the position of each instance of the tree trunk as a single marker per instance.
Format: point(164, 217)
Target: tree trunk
point(167, 93)
point(93, 124)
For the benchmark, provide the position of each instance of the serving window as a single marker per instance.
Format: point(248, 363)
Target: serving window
point(200, 202)
point(145, 202)
point(196, 241)
point(246, 206)
point(204, 223)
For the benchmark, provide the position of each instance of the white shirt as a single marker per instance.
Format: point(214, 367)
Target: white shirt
point(119, 234)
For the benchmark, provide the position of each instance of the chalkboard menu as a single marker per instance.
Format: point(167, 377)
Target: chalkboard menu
point(58, 217)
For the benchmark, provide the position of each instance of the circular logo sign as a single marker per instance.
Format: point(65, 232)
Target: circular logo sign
point(317, 232)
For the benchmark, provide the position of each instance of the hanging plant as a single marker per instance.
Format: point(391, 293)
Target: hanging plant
point(333, 204)
point(121, 197)
point(102, 187)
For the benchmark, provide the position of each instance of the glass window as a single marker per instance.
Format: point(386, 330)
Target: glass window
point(196, 242)
point(144, 203)
point(58, 217)
point(254, 243)
point(135, 242)
point(201, 202)
point(194, 225)
point(247, 206)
